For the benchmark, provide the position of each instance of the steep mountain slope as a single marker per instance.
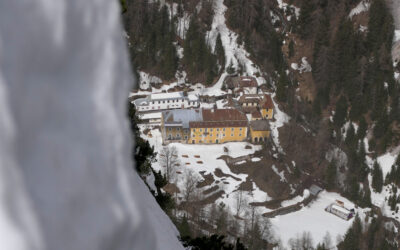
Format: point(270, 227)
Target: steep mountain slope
point(66, 180)
point(328, 66)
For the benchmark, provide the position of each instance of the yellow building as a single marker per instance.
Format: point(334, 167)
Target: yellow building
point(259, 131)
point(175, 124)
point(203, 126)
point(267, 107)
point(218, 126)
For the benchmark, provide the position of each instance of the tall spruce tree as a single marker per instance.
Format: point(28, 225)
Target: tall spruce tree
point(377, 177)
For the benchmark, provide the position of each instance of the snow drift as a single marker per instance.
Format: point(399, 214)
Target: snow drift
point(66, 178)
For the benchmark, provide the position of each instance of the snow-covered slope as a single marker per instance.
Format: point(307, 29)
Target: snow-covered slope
point(66, 178)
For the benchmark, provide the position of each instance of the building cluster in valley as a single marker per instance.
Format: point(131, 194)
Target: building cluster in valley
point(183, 120)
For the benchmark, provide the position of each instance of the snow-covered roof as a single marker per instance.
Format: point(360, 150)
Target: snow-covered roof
point(162, 96)
point(314, 189)
point(140, 101)
point(340, 209)
point(192, 97)
point(155, 115)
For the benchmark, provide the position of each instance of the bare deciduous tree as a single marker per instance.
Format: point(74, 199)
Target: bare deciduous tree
point(191, 180)
point(327, 241)
point(241, 201)
point(169, 160)
point(302, 242)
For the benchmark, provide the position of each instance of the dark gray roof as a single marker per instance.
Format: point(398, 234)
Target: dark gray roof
point(182, 116)
point(314, 190)
point(259, 125)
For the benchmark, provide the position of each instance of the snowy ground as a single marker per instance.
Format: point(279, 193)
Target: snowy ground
point(234, 53)
point(280, 118)
point(314, 219)
point(208, 155)
point(361, 7)
point(381, 199)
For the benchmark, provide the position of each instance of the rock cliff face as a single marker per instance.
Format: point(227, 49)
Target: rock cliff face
point(395, 6)
point(66, 177)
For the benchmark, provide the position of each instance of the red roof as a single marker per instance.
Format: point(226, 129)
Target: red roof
point(256, 114)
point(213, 115)
point(214, 118)
point(266, 102)
point(219, 124)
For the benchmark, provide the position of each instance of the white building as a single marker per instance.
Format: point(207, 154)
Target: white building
point(165, 101)
point(340, 211)
point(153, 117)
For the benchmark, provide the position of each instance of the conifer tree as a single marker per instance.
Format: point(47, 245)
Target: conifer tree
point(281, 88)
point(220, 52)
point(305, 19)
point(330, 175)
point(350, 136)
point(291, 49)
point(377, 177)
point(340, 112)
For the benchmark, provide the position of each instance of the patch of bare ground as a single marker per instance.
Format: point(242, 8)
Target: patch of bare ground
point(262, 175)
point(208, 180)
point(210, 199)
point(171, 188)
point(310, 157)
point(246, 185)
point(218, 172)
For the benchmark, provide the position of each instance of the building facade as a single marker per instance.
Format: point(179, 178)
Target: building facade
point(204, 126)
point(241, 85)
point(167, 101)
point(175, 124)
point(340, 211)
point(267, 107)
point(259, 131)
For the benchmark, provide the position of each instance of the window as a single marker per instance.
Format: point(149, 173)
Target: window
point(232, 129)
point(169, 136)
point(186, 137)
point(232, 135)
point(224, 129)
point(211, 129)
point(194, 130)
point(240, 134)
point(169, 129)
point(193, 141)
point(240, 129)
point(216, 141)
point(201, 130)
point(223, 135)
point(217, 129)
point(178, 129)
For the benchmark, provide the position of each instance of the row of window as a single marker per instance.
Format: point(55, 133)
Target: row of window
point(223, 129)
point(178, 137)
point(217, 135)
point(167, 101)
point(171, 101)
point(179, 129)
